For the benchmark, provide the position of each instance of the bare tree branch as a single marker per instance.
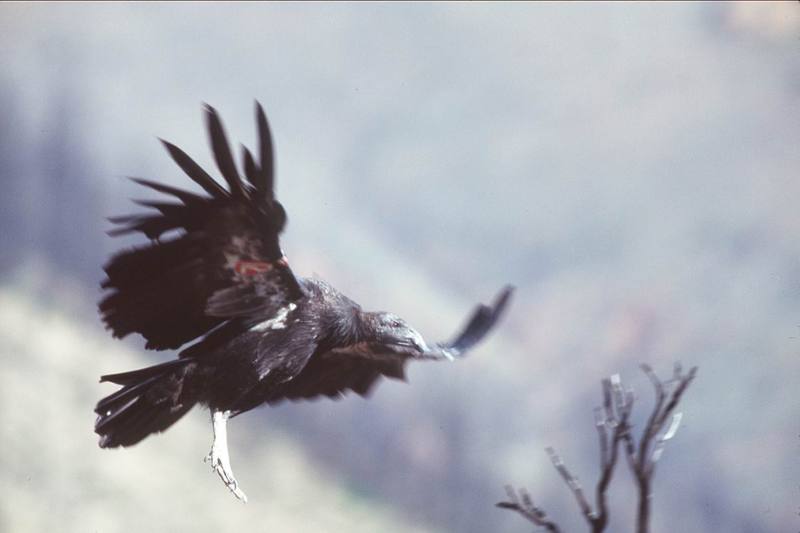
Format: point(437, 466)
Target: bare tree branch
point(643, 466)
point(523, 504)
point(573, 484)
point(612, 422)
point(620, 425)
point(651, 427)
point(601, 423)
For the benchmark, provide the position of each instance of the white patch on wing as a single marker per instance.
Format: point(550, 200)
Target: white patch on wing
point(276, 322)
point(230, 261)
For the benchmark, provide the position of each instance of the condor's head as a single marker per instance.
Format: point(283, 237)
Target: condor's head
point(389, 332)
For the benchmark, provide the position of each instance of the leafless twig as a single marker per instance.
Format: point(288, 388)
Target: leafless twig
point(612, 421)
point(523, 504)
point(643, 462)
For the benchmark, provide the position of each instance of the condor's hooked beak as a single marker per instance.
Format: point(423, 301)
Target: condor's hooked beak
point(412, 342)
point(418, 342)
point(423, 351)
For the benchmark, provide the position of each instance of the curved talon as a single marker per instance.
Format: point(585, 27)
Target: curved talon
point(226, 475)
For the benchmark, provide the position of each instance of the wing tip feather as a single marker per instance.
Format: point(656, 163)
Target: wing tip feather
point(502, 299)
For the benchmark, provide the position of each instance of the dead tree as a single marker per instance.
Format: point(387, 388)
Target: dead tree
point(614, 430)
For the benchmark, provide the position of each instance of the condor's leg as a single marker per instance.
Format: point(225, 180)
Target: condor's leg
point(218, 456)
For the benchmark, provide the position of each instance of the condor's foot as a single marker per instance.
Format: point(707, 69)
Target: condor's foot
point(218, 456)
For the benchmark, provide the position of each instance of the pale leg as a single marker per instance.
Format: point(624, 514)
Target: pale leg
point(218, 456)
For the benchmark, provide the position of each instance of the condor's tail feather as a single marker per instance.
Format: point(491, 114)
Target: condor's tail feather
point(150, 401)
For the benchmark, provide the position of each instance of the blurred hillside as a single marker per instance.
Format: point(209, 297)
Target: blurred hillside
point(55, 478)
point(631, 168)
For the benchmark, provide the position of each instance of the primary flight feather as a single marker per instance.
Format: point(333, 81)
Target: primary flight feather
point(214, 281)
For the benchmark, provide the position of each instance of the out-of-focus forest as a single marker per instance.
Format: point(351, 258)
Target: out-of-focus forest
point(631, 168)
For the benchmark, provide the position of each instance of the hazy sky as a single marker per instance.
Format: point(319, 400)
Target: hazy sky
point(632, 168)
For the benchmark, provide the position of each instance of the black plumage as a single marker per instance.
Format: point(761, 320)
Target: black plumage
point(214, 282)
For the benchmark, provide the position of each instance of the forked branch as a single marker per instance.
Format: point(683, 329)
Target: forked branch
point(612, 422)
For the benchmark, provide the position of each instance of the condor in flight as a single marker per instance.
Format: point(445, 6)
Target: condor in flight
point(258, 333)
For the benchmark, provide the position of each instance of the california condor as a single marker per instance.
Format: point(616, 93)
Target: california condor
point(214, 275)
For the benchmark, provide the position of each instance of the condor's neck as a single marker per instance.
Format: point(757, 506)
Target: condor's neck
point(348, 326)
point(365, 325)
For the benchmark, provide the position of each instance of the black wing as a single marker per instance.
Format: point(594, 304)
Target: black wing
point(360, 366)
point(335, 373)
point(212, 256)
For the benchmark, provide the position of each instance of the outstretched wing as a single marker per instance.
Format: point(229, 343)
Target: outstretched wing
point(212, 256)
point(333, 375)
point(359, 367)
